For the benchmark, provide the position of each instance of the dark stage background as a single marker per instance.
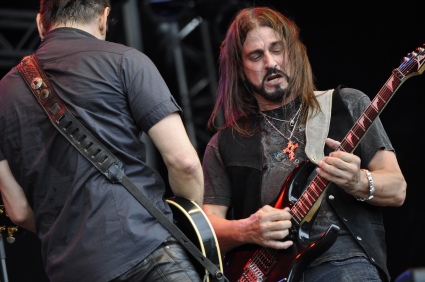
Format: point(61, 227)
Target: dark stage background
point(352, 43)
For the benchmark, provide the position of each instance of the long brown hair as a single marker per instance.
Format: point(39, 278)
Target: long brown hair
point(234, 101)
point(70, 11)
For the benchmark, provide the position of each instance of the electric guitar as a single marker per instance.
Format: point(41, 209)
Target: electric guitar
point(255, 263)
point(191, 219)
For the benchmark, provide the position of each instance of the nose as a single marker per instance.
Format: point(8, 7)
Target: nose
point(269, 61)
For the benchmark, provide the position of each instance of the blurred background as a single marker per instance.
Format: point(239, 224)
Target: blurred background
point(351, 43)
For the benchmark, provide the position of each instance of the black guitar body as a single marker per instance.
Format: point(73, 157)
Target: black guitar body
point(190, 218)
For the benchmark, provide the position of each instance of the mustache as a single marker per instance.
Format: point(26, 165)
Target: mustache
point(275, 70)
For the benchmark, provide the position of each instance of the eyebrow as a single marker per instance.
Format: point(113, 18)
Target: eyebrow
point(276, 43)
point(260, 50)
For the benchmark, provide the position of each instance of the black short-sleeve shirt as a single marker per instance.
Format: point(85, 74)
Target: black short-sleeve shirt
point(90, 229)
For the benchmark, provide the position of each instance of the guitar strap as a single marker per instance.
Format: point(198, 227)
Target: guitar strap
point(97, 153)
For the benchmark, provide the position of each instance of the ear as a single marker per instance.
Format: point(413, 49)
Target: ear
point(103, 22)
point(40, 27)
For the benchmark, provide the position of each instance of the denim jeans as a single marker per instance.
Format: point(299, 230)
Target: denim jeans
point(353, 269)
point(169, 262)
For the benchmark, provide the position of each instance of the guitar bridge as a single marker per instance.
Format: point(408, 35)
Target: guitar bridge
point(257, 268)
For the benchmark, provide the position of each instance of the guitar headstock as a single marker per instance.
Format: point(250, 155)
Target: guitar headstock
point(413, 63)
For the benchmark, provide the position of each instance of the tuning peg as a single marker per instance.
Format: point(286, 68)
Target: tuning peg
point(10, 232)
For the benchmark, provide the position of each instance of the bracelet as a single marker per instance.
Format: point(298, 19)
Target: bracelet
point(371, 187)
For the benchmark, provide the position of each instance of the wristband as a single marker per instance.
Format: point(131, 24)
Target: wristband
point(371, 187)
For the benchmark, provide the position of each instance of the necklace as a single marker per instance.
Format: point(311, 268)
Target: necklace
point(291, 122)
point(290, 146)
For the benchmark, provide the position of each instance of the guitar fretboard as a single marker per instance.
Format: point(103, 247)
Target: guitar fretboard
point(313, 191)
point(353, 138)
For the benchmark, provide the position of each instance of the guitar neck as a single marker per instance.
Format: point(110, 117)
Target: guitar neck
point(413, 64)
point(362, 125)
point(314, 190)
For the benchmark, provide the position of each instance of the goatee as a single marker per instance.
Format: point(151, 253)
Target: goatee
point(278, 93)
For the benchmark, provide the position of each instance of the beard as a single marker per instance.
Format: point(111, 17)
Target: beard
point(278, 93)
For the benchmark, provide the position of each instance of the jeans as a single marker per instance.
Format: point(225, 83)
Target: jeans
point(352, 269)
point(169, 262)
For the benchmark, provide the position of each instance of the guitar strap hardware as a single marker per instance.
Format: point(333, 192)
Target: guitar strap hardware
point(98, 154)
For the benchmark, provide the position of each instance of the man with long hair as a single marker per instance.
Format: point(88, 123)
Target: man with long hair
point(280, 138)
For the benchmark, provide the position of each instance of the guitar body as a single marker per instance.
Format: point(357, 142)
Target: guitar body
point(190, 218)
point(245, 263)
point(255, 263)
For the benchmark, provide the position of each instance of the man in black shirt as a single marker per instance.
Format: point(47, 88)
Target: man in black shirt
point(91, 229)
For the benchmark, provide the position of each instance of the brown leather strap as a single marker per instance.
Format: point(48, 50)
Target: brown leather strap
point(65, 122)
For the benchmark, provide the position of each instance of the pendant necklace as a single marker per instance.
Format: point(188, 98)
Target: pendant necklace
point(291, 146)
